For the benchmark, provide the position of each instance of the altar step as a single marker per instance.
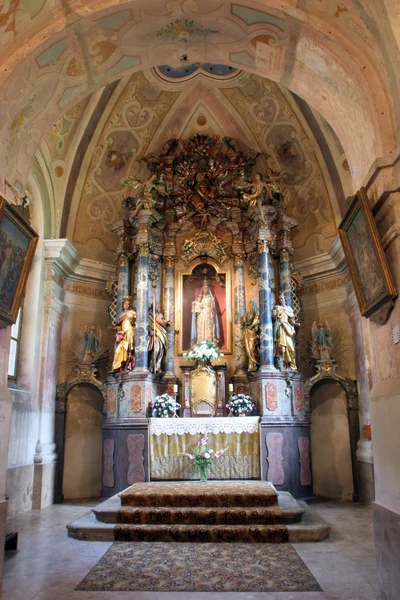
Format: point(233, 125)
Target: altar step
point(286, 520)
point(254, 534)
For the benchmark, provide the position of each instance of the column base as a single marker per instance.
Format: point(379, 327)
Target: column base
point(43, 485)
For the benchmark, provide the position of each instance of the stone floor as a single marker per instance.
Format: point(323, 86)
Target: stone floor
point(49, 565)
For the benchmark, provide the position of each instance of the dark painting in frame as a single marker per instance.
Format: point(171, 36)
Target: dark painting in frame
point(17, 247)
point(368, 266)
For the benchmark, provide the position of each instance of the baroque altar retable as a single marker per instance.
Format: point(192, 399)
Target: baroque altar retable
point(204, 254)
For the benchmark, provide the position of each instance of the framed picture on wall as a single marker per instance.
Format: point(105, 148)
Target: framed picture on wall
point(366, 259)
point(17, 246)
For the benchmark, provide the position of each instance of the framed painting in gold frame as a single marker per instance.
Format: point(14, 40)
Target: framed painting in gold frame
point(366, 259)
point(17, 246)
point(196, 307)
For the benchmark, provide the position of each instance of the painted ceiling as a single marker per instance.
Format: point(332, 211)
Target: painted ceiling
point(339, 57)
point(142, 112)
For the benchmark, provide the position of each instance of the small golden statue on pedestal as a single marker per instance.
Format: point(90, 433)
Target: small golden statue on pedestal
point(125, 337)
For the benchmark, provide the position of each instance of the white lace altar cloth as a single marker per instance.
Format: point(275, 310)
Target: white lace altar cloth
point(195, 425)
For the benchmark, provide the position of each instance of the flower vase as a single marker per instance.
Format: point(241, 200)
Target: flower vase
point(203, 472)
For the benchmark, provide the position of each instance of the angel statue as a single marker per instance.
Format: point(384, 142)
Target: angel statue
point(284, 332)
point(260, 195)
point(125, 337)
point(251, 324)
point(146, 193)
point(321, 341)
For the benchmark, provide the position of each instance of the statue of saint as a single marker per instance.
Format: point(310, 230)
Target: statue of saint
point(158, 340)
point(251, 324)
point(91, 344)
point(125, 337)
point(146, 193)
point(284, 332)
point(321, 341)
point(205, 325)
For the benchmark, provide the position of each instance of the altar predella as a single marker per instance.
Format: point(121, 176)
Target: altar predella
point(204, 256)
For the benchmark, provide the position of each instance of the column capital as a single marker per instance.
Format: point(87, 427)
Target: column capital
point(238, 259)
point(169, 261)
point(144, 249)
point(263, 246)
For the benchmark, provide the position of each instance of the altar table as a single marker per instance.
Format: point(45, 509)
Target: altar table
point(169, 438)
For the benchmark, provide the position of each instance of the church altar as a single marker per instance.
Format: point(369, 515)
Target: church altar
point(204, 258)
point(169, 438)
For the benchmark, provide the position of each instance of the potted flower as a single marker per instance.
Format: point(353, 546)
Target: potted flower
point(241, 405)
point(203, 352)
point(202, 456)
point(164, 406)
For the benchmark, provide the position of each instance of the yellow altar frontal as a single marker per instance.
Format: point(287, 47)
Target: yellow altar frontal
point(169, 438)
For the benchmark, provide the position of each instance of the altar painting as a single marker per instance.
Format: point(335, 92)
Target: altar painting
point(205, 309)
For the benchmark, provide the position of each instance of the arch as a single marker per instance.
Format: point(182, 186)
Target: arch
point(327, 373)
point(74, 54)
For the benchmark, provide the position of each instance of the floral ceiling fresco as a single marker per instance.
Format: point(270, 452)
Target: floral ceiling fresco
point(148, 111)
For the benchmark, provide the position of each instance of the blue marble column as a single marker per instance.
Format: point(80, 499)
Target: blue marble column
point(264, 291)
point(239, 293)
point(123, 281)
point(285, 286)
point(169, 313)
point(142, 310)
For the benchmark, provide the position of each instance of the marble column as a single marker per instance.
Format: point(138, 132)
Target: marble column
point(239, 312)
point(285, 286)
point(265, 307)
point(123, 280)
point(142, 310)
point(169, 313)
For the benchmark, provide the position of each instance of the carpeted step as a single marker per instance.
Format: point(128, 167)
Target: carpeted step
point(255, 534)
point(210, 494)
point(200, 515)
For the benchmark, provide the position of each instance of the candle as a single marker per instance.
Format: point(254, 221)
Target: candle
point(230, 387)
point(175, 388)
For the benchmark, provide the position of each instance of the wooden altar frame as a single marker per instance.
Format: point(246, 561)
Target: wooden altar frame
point(187, 271)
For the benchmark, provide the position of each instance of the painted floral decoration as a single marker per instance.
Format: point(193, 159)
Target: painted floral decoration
point(164, 406)
point(181, 29)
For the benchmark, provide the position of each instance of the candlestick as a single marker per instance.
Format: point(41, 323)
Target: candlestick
point(230, 387)
point(175, 388)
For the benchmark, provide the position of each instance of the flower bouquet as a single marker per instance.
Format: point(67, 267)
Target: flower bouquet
point(241, 405)
point(164, 406)
point(202, 457)
point(203, 352)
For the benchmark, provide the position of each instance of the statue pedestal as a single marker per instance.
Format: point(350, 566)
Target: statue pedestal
point(204, 390)
point(284, 430)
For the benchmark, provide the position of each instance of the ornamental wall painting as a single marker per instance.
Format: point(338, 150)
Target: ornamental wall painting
point(204, 300)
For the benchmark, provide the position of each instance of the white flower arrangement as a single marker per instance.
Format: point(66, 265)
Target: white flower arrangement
point(241, 404)
point(203, 352)
point(164, 406)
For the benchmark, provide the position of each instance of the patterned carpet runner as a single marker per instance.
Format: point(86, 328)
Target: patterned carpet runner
point(245, 511)
point(200, 568)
